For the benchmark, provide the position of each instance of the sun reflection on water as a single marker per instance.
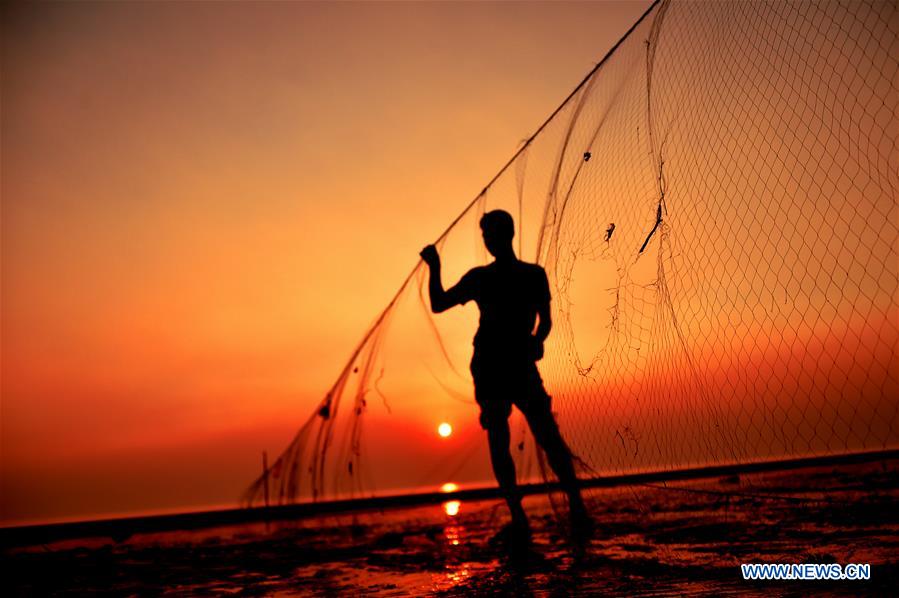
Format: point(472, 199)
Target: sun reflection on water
point(458, 572)
point(453, 533)
point(451, 507)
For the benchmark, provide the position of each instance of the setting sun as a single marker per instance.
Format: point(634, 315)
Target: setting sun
point(445, 430)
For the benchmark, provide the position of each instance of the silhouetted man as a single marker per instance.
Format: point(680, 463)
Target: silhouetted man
point(512, 296)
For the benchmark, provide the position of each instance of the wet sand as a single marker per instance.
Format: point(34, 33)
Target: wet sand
point(676, 538)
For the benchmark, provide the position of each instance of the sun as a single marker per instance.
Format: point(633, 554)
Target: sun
point(445, 430)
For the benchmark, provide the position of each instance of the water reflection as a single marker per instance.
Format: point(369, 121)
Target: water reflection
point(453, 533)
point(459, 575)
point(458, 571)
point(451, 507)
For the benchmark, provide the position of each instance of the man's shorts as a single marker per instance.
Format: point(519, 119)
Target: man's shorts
point(500, 382)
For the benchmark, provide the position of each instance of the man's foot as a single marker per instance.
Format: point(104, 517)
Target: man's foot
point(514, 537)
point(582, 525)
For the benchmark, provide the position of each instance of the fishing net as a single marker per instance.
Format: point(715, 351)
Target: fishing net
point(716, 209)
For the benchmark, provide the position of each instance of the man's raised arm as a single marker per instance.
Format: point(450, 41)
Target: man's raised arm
point(440, 299)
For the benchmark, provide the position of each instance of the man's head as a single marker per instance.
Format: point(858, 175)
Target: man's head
point(498, 229)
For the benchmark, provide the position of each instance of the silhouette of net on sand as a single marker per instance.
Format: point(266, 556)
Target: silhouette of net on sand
point(716, 208)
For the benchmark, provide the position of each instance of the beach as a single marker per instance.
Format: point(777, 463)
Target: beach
point(685, 538)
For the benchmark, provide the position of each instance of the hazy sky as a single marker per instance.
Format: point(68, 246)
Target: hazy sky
point(204, 205)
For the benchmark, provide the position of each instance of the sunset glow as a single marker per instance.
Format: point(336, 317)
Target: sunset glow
point(183, 282)
point(328, 261)
point(204, 208)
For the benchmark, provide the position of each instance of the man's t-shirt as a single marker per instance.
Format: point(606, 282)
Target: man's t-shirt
point(508, 296)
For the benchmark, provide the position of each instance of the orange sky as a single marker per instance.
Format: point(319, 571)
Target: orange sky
point(205, 205)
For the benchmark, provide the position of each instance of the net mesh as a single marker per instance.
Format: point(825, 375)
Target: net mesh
point(716, 209)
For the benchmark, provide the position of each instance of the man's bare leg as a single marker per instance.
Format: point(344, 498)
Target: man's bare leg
point(546, 432)
point(499, 437)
